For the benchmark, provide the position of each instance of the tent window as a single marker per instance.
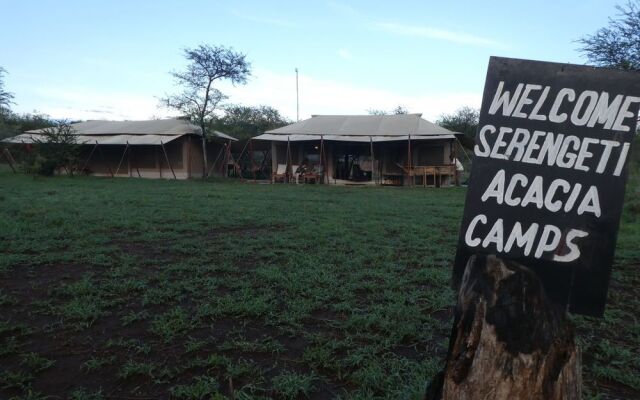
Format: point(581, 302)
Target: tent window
point(430, 155)
point(174, 151)
point(312, 153)
point(143, 157)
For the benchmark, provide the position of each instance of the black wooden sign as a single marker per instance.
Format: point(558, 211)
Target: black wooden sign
point(549, 172)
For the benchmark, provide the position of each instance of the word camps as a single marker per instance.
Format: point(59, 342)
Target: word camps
point(589, 108)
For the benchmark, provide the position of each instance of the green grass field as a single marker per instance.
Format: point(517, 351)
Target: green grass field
point(144, 289)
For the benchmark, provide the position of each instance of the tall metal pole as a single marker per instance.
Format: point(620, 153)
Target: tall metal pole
point(297, 99)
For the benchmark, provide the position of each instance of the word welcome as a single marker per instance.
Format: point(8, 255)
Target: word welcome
point(588, 108)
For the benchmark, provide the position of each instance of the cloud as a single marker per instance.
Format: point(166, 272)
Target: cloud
point(84, 104)
point(345, 54)
point(319, 96)
point(281, 23)
point(435, 33)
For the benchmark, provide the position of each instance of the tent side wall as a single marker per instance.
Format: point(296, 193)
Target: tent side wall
point(184, 156)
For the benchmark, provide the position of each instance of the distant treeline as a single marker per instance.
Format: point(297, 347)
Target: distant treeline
point(12, 124)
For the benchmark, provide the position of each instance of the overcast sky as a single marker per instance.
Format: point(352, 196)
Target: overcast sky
point(110, 59)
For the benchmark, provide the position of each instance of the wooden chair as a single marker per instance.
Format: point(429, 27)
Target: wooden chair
point(281, 173)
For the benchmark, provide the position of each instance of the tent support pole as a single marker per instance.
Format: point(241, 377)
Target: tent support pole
point(288, 158)
point(216, 161)
point(102, 156)
point(7, 154)
point(134, 161)
point(455, 166)
point(410, 169)
point(225, 161)
point(224, 157)
point(226, 165)
point(373, 161)
point(189, 157)
point(253, 169)
point(322, 163)
point(158, 161)
point(122, 158)
point(89, 158)
point(240, 159)
point(463, 150)
point(167, 158)
point(264, 160)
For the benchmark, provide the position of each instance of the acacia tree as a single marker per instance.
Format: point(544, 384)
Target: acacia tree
point(244, 122)
point(6, 98)
point(399, 110)
point(618, 44)
point(463, 120)
point(54, 148)
point(199, 98)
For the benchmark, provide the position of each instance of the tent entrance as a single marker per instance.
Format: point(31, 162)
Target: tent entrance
point(353, 162)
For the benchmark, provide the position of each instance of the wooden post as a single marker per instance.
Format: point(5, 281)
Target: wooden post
point(229, 157)
point(288, 174)
point(122, 158)
point(265, 158)
point(213, 165)
point(167, 158)
point(103, 159)
point(410, 170)
point(508, 341)
point(373, 160)
point(225, 162)
point(237, 163)
point(189, 157)
point(89, 158)
point(9, 158)
point(322, 163)
point(253, 169)
point(224, 158)
point(455, 163)
point(134, 161)
point(158, 161)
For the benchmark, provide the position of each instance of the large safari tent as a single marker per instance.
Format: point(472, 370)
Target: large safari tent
point(364, 149)
point(164, 148)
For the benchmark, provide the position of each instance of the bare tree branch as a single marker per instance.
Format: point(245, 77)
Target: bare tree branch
point(618, 44)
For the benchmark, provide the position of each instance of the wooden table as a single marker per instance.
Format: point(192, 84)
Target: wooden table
point(436, 171)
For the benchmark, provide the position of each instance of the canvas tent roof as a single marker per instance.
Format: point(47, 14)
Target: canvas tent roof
point(349, 138)
point(360, 128)
point(152, 132)
point(102, 139)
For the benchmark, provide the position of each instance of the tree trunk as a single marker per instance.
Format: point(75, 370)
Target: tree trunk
point(205, 167)
point(508, 340)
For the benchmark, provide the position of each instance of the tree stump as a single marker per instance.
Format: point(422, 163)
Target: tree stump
point(508, 340)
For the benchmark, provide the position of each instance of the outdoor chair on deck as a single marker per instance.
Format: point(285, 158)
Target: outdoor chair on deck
point(281, 173)
point(295, 176)
point(313, 176)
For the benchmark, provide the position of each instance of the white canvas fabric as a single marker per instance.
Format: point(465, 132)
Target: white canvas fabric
point(359, 128)
point(152, 132)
